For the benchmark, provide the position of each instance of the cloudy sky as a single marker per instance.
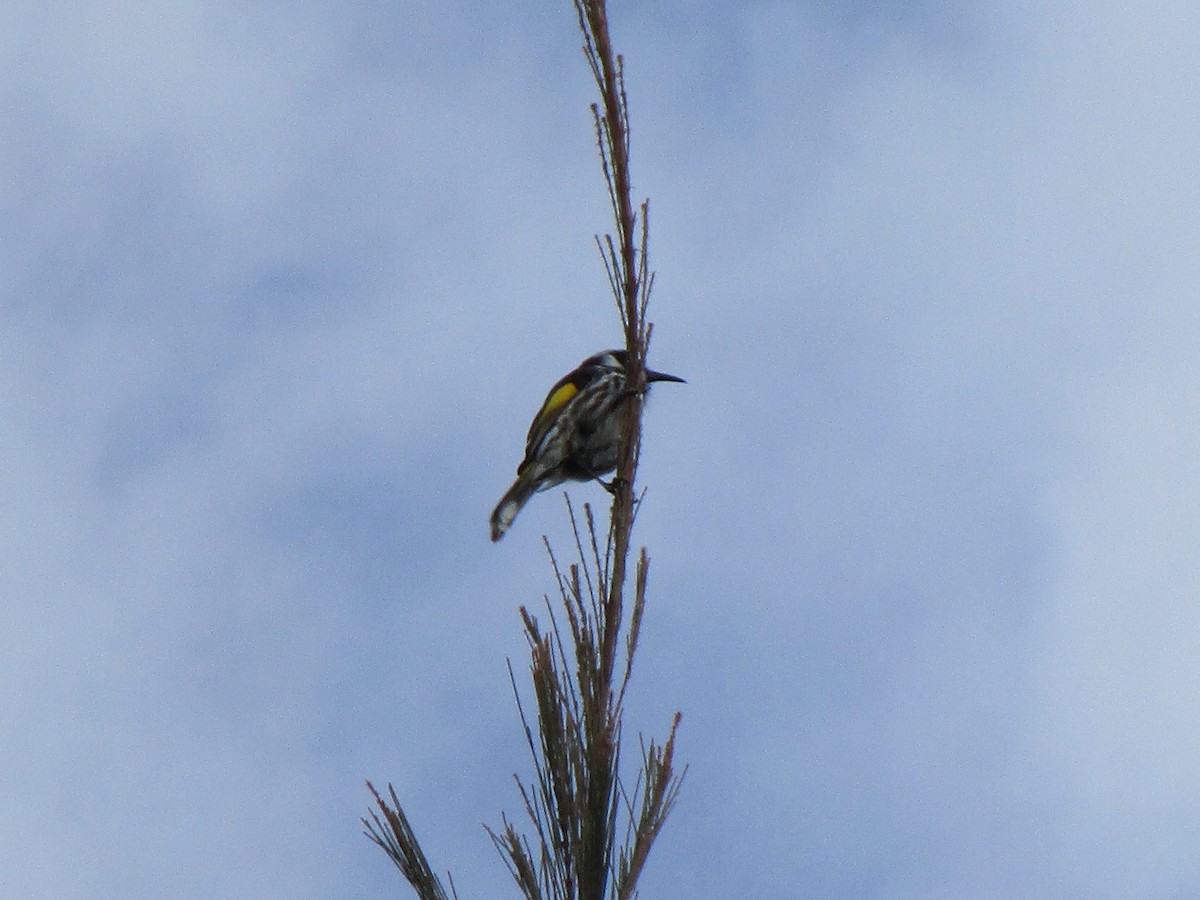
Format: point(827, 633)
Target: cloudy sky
point(282, 284)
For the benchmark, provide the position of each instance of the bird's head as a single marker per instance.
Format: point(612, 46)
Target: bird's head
point(615, 360)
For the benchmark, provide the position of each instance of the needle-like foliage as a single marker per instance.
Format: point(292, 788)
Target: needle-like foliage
point(395, 836)
point(577, 804)
point(578, 797)
point(590, 834)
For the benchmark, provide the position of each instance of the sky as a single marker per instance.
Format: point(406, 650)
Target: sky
point(281, 286)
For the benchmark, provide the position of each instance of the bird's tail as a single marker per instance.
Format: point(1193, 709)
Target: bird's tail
point(510, 504)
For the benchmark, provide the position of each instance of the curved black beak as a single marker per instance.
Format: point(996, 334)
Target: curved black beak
point(661, 376)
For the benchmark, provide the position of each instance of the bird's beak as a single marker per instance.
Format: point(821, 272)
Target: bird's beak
point(660, 376)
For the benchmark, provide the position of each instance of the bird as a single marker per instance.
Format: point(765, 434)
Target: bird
point(575, 435)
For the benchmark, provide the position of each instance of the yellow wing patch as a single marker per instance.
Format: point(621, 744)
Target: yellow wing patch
point(558, 398)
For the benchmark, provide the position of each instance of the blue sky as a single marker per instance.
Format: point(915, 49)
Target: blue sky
point(281, 286)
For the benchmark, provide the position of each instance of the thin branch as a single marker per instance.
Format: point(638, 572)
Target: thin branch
point(395, 836)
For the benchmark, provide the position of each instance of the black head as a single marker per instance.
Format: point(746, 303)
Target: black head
point(615, 360)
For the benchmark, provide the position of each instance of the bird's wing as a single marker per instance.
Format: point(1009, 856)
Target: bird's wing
point(556, 401)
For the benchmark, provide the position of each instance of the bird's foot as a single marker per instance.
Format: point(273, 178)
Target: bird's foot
point(612, 486)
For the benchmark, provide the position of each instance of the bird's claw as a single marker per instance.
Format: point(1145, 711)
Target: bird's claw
point(612, 486)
